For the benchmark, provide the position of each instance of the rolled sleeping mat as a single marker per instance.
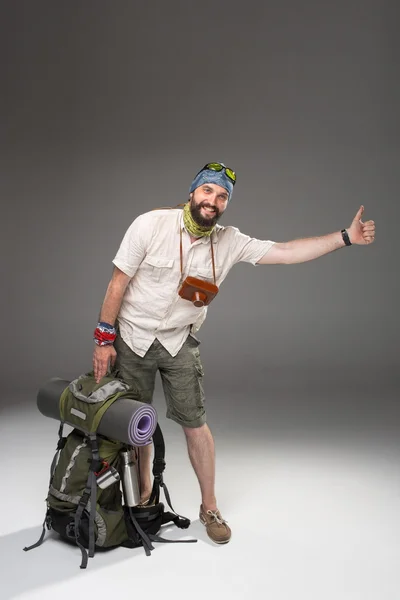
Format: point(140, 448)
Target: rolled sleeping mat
point(126, 420)
point(129, 421)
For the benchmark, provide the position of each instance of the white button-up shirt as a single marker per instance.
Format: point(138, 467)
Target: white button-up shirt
point(150, 254)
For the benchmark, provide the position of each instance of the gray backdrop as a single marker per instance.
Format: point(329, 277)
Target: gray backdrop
point(110, 108)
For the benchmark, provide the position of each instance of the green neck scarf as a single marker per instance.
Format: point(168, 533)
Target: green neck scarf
point(192, 227)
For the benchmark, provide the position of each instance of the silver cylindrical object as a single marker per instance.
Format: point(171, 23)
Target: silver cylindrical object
point(130, 477)
point(109, 477)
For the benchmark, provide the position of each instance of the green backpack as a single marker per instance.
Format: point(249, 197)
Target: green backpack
point(78, 509)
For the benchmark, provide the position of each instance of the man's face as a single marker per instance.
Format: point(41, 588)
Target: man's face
point(208, 203)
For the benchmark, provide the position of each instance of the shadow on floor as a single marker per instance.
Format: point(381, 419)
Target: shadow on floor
point(56, 561)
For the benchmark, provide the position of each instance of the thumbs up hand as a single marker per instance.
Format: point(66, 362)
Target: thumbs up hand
point(359, 232)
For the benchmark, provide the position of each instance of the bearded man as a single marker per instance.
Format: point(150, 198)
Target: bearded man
point(146, 325)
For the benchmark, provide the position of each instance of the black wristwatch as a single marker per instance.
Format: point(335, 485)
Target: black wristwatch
point(345, 237)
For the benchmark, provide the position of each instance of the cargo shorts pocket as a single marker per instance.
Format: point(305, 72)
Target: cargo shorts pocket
point(184, 394)
point(187, 387)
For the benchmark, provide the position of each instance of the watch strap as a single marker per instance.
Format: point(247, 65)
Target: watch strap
point(345, 237)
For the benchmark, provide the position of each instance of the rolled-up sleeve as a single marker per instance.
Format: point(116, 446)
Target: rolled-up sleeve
point(247, 249)
point(133, 247)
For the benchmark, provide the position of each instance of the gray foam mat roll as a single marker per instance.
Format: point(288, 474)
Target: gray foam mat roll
point(127, 420)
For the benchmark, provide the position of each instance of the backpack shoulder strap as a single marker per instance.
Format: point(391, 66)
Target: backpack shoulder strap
point(89, 494)
point(158, 470)
point(158, 464)
point(60, 446)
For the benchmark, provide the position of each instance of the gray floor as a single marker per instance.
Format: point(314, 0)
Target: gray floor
point(307, 476)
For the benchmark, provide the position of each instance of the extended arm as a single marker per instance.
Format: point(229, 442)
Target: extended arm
point(303, 250)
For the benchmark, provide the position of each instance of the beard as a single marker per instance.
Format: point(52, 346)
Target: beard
point(199, 219)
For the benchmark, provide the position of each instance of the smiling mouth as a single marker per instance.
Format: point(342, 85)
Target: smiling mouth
point(211, 211)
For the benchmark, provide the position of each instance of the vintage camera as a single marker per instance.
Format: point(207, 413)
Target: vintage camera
point(198, 291)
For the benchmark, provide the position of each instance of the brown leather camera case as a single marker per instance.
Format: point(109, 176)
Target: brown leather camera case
point(198, 291)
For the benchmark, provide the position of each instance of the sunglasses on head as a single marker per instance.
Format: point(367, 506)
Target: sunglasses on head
point(220, 167)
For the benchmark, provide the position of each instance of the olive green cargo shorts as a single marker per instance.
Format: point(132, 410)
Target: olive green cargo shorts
point(181, 376)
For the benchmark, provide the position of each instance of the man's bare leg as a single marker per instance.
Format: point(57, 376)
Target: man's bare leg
point(202, 456)
point(146, 485)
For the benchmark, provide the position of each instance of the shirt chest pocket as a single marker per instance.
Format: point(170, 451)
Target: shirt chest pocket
point(159, 268)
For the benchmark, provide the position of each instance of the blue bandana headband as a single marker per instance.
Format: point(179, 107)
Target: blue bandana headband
point(210, 176)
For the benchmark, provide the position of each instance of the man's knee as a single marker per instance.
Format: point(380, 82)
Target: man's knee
point(192, 432)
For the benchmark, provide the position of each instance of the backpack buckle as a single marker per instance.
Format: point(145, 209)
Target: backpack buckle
point(48, 522)
point(70, 530)
point(61, 443)
point(158, 466)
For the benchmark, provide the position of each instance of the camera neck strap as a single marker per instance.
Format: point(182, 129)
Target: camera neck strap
point(212, 256)
point(181, 248)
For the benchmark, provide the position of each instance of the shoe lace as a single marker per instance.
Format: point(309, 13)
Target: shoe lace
point(216, 516)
